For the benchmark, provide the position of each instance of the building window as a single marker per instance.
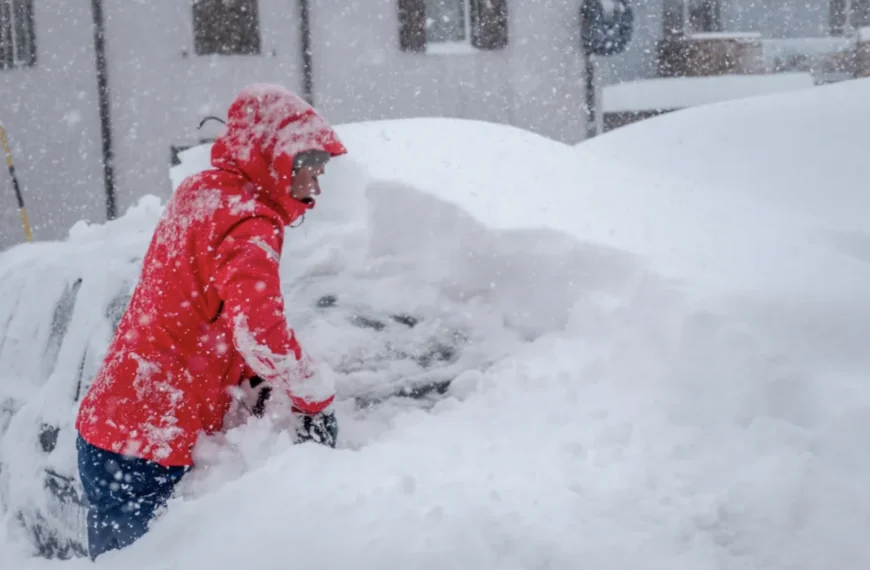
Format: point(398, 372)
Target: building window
point(447, 21)
point(686, 17)
point(17, 37)
point(674, 18)
point(226, 27)
point(845, 16)
point(837, 17)
point(860, 14)
point(705, 16)
point(481, 23)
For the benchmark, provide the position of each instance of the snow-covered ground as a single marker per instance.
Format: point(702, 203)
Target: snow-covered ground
point(659, 335)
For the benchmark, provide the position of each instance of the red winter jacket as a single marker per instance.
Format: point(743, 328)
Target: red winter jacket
point(207, 311)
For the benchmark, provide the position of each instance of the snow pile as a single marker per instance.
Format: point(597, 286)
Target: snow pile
point(654, 370)
point(801, 152)
point(757, 163)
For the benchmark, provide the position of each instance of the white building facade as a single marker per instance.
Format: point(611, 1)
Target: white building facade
point(96, 94)
point(168, 64)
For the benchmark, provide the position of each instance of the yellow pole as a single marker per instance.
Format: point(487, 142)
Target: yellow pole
point(5, 142)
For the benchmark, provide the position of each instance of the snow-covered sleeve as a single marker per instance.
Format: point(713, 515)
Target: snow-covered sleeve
point(248, 283)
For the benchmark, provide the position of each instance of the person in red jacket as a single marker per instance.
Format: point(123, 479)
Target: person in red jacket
point(206, 316)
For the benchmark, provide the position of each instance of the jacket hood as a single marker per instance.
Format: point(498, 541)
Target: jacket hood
point(267, 125)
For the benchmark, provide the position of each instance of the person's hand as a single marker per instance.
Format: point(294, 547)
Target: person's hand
point(320, 428)
point(263, 391)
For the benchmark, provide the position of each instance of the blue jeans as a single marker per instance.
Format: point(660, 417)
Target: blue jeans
point(123, 493)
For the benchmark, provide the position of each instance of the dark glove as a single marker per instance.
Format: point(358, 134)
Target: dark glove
point(320, 428)
point(262, 396)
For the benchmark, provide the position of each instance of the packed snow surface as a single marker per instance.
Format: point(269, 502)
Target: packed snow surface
point(663, 353)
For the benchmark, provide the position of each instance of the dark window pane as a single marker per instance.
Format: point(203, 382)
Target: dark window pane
point(446, 20)
point(226, 27)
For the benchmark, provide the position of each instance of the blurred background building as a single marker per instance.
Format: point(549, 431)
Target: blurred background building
point(98, 97)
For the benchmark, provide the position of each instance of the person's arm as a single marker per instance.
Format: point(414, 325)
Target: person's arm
point(248, 282)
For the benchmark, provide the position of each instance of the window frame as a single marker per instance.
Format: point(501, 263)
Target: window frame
point(454, 46)
point(487, 25)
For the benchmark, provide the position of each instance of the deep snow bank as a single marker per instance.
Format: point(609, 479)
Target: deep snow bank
point(803, 152)
point(605, 416)
point(762, 200)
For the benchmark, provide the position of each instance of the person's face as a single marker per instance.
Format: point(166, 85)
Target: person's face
point(305, 183)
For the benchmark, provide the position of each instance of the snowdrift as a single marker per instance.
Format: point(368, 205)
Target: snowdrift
point(646, 370)
point(801, 153)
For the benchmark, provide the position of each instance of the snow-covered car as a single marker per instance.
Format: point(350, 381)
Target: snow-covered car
point(655, 358)
point(59, 305)
point(66, 336)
